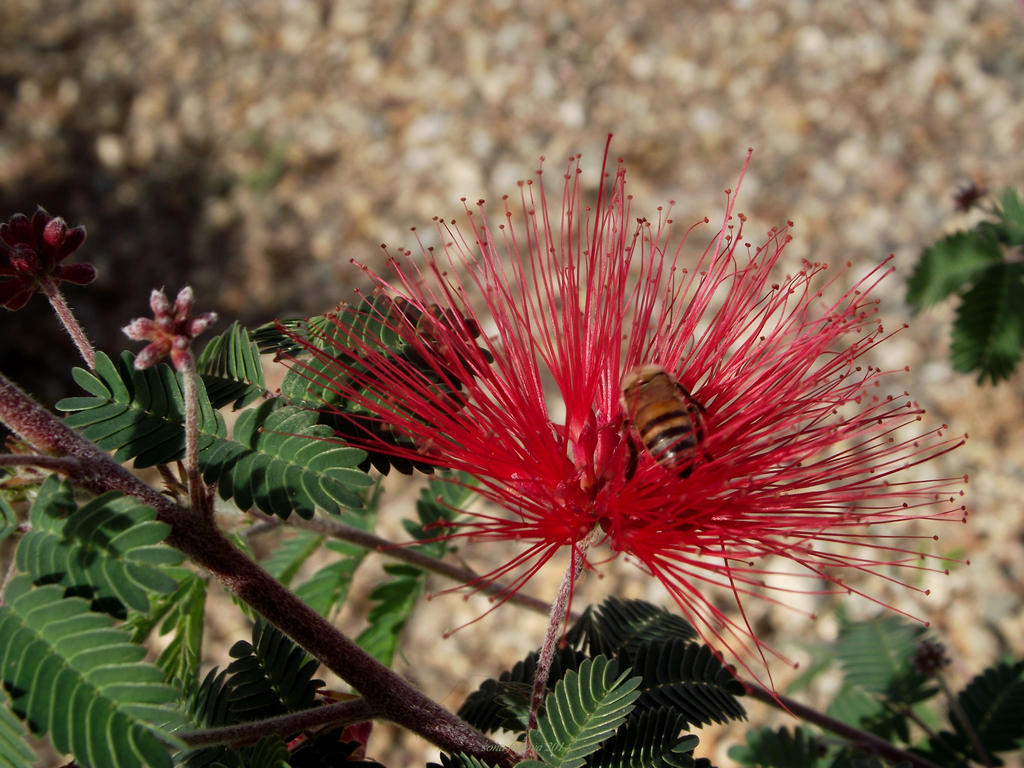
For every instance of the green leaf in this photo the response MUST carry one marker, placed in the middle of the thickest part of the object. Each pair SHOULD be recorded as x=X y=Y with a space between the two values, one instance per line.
x=876 y=656
x=138 y=414
x=459 y=760
x=108 y=550
x=689 y=678
x=291 y=552
x=584 y=709
x=181 y=658
x=766 y=748
x=270 y=676
x=230 y=368
x=504 y=703
x=281 y=461
x=58 y=658
x=395 y=599
x=1011 y=217
x=624 y=625
x=648 y=740
x=949 y=266
x=8 y=518
x=325 y=591
x=14 y=751
x=268 y=752
x=989 y=329
x=992 y=704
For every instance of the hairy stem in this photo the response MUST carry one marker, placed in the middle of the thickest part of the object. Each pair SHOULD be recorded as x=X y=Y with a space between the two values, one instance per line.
x=398 y=551
x=206 y=545
x=198 y=496
x=60 y=464
x=70 y=322
x=559 y=610
x=340 y=713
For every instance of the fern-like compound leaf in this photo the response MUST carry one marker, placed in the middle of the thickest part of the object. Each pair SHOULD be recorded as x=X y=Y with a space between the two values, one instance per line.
x=992 y=704
x=1011 y=217
x=586 y=707
x=76 y=678
x=395 y=599
x=623 y=625
x=950 y=266
x=185 y=619
x=781 y=748
x=988 y=333
x=460 y=760
x=651 y=739
x=291 y=553
x=271 y=675
x=501 y=703
x=876 y=657
x=688 y=678
x=8 y=518
x=109 y=550
x=281 y=461
x=230 y=368
x=325 y=591
x=14 y=752
x=138 y=414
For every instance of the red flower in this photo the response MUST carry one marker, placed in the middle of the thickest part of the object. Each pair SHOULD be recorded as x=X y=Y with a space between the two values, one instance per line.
x=171 y=330
x=30 y=254
x=787 y=445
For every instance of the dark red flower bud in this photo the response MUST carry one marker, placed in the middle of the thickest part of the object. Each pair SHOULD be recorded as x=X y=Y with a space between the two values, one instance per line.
x=30 y=254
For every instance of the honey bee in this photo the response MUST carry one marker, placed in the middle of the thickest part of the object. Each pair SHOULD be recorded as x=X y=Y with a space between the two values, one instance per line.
x=666 y=417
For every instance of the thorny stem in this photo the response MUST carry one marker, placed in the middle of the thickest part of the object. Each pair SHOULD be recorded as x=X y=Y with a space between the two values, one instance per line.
x=337 y=714
x=868 y=741
x=198 y=497
x=556 y=619
x=70 y=322
x=203 y=542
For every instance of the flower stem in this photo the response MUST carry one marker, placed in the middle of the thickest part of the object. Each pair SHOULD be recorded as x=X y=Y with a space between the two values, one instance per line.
x=70 y=322
x=559 y=610
x=198 y=497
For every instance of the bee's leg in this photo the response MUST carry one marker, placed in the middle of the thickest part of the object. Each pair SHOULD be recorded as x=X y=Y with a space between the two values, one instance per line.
x=696 y=411
x=690 y=399
x=633 y=457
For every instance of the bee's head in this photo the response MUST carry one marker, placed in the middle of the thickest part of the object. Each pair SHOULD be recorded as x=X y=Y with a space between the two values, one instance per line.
x=641 y=376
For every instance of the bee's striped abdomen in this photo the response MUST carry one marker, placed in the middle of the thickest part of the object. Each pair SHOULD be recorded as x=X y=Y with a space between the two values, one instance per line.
x=668 y=421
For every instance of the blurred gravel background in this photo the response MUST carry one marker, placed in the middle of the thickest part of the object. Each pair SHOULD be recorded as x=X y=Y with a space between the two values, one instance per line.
x=252 y=148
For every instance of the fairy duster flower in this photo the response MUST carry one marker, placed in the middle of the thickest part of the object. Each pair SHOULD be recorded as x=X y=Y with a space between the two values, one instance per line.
x=767 y=437
x=31 y=252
